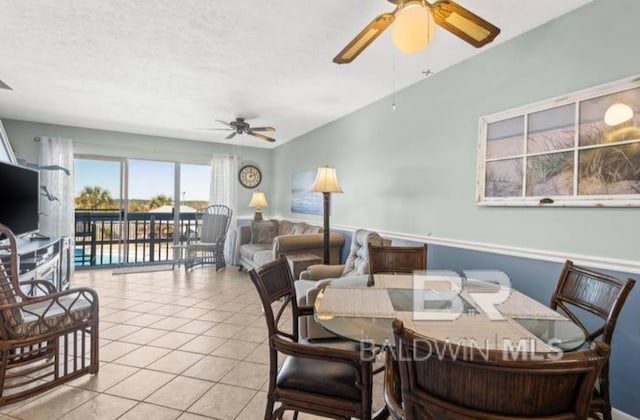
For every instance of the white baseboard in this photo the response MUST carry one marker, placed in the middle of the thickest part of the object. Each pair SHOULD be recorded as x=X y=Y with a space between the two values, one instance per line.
x=620 y=415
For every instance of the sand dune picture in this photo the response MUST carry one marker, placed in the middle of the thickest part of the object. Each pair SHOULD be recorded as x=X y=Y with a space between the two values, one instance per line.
x=598 y=156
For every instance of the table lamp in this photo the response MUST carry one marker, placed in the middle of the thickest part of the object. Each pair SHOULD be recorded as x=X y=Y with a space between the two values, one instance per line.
x=326 y=182
x=258 y=201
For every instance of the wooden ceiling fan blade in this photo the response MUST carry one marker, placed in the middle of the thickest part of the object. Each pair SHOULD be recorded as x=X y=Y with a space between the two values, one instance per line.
x=224 y=122
x=260 y=136
x=263 y=129
x=364 y=38
x=463 y=23
x=230 y=136
x=213 y=129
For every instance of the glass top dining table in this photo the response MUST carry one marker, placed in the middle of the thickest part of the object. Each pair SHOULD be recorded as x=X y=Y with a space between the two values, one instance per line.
x=463 y=311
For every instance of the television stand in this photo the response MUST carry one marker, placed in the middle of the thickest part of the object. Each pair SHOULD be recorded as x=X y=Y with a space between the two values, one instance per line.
x=45 y=259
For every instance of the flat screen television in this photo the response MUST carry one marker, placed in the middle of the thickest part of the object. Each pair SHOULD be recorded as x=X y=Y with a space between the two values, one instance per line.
x=19 y=198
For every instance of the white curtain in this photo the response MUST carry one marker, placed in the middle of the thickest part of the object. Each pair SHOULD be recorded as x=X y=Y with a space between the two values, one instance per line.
x=224 y=190
x=55 y=160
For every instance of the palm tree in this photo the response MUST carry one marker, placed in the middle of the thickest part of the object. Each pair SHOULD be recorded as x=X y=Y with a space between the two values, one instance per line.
x=94 y=198
x=159 y=201
x=138 y=206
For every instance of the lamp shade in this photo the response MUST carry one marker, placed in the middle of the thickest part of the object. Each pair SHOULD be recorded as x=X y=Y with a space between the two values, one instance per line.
x=618 y=113
x=258 y=200
x=413 y=27
x=326 y=181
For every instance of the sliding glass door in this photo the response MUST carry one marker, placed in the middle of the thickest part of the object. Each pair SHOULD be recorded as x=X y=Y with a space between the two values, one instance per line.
x=100 y=231
x=150 y=210
x=194 y=196
x=127 y=210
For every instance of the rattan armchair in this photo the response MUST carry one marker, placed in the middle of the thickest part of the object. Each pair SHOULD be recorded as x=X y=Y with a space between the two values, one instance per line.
x=46 y=337
x=212 y=225
x=441 y=381
x=324 y=380
x=601 y=295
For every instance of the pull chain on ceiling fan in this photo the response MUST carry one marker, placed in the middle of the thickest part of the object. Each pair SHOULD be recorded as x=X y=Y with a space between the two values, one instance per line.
x=240 y=126
x=414 y=25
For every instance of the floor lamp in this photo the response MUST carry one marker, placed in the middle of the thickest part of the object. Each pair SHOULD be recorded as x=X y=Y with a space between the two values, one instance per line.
x=258 y=201
x=326 y=183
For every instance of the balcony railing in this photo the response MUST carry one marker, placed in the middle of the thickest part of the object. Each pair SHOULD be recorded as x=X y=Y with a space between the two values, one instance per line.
x=100 y=237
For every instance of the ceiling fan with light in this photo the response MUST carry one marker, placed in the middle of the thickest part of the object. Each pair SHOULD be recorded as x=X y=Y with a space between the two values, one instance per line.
x=414 y=24
x=240 y=126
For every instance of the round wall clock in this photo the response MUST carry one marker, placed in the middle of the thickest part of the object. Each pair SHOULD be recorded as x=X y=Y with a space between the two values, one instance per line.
x=250 y=176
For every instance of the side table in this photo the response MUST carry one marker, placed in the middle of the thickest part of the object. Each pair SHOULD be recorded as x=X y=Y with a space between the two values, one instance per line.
x=299 y=262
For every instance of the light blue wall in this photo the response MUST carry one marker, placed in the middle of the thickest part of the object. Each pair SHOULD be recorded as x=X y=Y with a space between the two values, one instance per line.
x=413 y=170
x=136 y=146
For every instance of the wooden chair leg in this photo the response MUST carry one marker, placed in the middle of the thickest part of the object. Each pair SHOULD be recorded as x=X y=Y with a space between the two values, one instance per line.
x=268 y=412
x=277 y=414
x=4 y=360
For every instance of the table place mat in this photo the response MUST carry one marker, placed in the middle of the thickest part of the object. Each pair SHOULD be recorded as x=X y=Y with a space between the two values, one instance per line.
x=476 y=286
x=479 y=332
x=393 y=281
x=438 y=282
x=519 y=305
x=439 y=285
x=360 y=302
x=406 y=281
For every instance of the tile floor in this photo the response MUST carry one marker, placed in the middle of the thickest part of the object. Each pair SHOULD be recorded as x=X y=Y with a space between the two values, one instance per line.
x=172 y=346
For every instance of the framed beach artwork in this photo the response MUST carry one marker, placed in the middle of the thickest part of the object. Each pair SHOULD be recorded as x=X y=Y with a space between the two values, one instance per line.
x=6 y=152
x=579 y=150
x=302 y=199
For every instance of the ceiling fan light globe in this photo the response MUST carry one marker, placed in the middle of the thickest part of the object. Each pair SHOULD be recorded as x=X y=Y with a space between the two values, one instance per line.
x=412 y=28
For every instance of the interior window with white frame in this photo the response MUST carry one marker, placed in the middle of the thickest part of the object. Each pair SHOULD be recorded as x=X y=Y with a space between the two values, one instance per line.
x=582 y=149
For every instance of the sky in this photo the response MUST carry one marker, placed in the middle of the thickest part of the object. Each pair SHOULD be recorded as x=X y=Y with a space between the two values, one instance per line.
x=146 y=178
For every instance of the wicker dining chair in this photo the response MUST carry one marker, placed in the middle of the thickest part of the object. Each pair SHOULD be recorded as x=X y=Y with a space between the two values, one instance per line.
x=601 y=295
x=442 y=381
x=397 y=259
x=212 y=225
x=46 y=337
x=326 y=381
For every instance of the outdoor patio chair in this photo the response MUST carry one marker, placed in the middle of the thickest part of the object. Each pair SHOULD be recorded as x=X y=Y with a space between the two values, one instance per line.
x=85 y=242
x=46 y=337
x=212 y=225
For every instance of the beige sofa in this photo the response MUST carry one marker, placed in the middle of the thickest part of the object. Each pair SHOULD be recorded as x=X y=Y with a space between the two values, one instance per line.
x=257 y=244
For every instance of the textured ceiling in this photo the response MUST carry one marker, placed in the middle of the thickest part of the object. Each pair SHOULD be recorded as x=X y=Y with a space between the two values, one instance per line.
x=166 y=67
